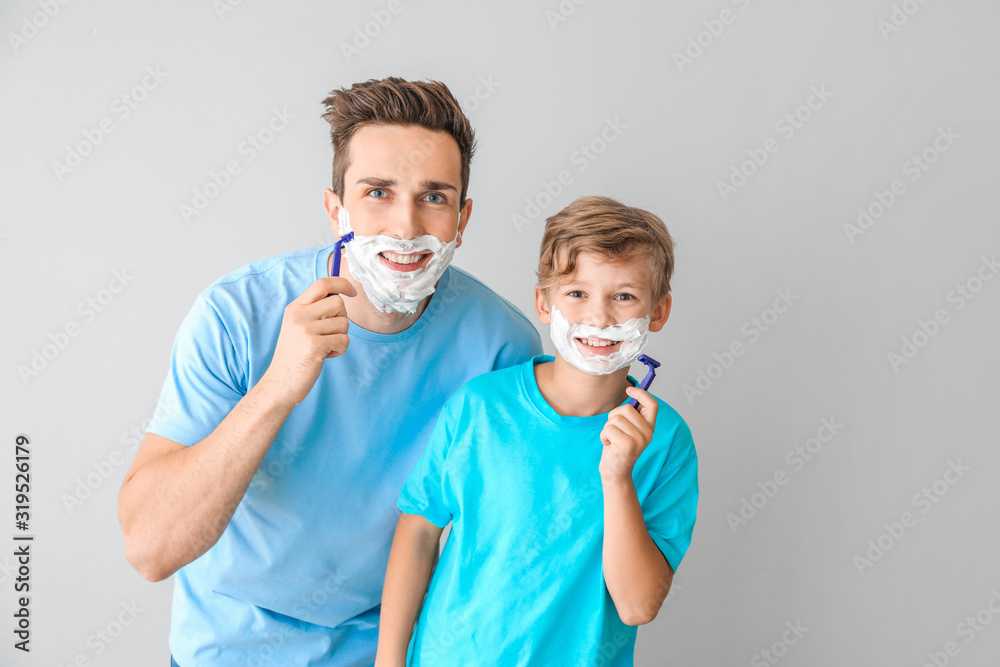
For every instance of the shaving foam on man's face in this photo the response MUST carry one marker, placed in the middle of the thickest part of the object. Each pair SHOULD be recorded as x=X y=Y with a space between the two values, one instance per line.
x=599 y=350
x=397 y=274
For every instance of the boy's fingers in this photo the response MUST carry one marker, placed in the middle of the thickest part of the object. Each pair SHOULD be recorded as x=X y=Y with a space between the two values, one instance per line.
x=647 y=404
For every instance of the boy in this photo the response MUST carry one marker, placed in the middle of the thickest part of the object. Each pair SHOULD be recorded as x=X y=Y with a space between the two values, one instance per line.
x=570 y=509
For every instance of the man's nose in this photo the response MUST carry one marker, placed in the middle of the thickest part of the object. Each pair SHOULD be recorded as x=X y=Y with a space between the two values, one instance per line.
x=404 y=223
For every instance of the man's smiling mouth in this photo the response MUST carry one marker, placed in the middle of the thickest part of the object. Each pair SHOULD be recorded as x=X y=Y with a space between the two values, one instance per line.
x=410 y=261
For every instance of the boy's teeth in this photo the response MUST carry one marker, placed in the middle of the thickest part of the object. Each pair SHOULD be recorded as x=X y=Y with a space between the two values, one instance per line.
x=411 y=258
x=597 y=342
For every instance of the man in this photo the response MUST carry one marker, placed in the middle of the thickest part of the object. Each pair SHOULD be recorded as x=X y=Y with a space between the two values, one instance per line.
x=270 y=490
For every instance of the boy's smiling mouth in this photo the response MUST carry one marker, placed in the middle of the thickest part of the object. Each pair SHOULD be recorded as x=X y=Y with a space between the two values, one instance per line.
x=597 y=346
x=410 y=261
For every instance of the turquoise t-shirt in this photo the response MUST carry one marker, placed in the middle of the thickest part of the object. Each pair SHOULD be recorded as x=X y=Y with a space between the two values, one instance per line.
x=520 y=579
x=296 y=578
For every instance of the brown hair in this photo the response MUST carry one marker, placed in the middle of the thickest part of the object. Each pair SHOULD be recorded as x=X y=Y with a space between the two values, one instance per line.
x=395 y=101
x=609 y=228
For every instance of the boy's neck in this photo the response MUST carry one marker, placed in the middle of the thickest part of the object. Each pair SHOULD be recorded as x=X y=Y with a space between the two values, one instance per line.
x=573 y=393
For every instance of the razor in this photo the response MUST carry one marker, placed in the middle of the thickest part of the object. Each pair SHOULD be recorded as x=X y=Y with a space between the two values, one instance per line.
x=653 y=364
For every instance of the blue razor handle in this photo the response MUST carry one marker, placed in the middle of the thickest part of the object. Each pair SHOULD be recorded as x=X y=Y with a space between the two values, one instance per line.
x=335 y=269
x=648 y=380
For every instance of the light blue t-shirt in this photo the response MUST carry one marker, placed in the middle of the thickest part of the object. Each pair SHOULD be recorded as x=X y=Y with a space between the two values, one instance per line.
x=520 y=579
x=296 y=578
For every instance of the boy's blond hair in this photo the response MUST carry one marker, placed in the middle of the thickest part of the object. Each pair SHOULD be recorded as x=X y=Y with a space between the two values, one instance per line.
x=610 y=229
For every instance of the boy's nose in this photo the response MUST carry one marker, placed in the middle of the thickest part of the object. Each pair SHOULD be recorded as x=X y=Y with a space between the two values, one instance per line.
x=599 y=317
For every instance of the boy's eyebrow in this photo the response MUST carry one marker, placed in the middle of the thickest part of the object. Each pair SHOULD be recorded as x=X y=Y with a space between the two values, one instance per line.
x=584 y=283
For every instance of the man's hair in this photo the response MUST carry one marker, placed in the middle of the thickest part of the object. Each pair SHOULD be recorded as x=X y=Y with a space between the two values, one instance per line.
x=395 y=101
x=608 y=228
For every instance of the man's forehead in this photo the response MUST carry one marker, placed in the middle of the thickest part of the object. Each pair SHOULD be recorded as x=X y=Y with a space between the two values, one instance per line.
x=404 y=154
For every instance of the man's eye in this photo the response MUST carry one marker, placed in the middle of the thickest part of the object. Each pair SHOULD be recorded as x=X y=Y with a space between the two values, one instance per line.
x=378 y=193
x=436 y=198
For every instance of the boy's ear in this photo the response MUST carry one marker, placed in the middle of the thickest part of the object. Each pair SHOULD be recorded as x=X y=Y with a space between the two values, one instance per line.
x=542 y=307
x=660 y=313
x=332 y=204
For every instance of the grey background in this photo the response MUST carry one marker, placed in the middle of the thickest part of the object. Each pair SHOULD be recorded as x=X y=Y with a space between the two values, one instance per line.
x=554 y=86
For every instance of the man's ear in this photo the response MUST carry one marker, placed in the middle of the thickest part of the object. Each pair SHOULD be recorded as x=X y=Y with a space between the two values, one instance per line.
x=464 y=213
x=332 y=204
x=542 y=307
x=660 y=313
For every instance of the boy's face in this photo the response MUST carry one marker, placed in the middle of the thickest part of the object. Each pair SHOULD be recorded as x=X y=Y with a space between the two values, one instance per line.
x=602 y=294
x=402 y=182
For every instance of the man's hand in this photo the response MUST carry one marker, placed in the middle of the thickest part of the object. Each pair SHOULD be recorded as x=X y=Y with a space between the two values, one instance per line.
x=313 y=329
x=626 y=435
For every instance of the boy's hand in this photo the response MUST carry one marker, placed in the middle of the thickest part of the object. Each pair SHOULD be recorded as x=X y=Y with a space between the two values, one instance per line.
x=626 y=435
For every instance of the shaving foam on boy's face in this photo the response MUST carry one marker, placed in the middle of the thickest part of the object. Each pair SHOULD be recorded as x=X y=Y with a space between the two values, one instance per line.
x=390 y=289
x=580 y=344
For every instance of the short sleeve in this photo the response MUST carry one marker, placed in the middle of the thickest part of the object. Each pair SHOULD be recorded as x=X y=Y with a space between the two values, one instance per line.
x=671 y=506
x=522 y=344
x=205 y=380
x=424 y=492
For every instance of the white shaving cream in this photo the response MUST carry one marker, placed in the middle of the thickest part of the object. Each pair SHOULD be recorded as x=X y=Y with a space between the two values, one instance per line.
x=633 y=335
x=390 y=290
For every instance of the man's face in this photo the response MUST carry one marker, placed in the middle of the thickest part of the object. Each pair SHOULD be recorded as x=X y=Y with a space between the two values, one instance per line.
x=402 y=182
x=602 y=294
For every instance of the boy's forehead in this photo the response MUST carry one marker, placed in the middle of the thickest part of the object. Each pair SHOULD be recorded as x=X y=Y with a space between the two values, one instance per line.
x=593 y=268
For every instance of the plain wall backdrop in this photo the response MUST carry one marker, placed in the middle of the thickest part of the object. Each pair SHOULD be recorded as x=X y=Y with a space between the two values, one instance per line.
x=828 y=170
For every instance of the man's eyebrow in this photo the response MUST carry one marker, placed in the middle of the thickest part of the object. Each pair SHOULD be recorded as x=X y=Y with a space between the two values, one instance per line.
x=376 y=182
x=437 y=185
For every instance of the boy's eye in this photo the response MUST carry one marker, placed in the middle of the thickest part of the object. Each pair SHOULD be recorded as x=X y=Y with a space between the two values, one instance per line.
x=625 y=297
x=574 y=293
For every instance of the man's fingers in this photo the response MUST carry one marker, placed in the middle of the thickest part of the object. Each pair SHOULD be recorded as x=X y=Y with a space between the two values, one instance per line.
x=330 y=306
x=328 y=326
x=324 y=287
x=337 y=344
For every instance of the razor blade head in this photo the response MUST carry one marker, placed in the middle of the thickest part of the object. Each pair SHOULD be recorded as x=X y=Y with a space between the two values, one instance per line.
x=649 y=361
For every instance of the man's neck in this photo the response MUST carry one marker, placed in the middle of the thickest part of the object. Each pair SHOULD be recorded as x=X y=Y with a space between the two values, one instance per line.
x=573 y=393
x=361 y=311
